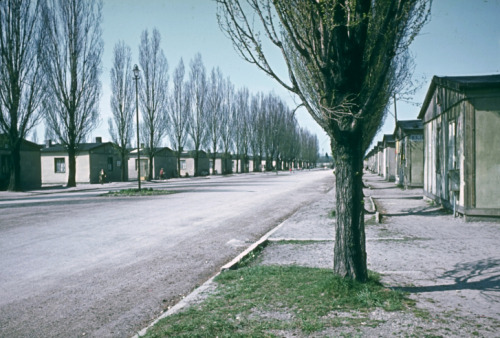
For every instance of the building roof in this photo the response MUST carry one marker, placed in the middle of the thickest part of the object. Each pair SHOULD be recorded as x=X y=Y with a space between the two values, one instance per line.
x=81 y=147
x=25 y=144
x=459 y=83
x=409 y=125
x=157 y=150
x=388 y=138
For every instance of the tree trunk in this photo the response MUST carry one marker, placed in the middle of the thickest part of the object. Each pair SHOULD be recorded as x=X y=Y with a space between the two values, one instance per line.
x=178 y=174
x=15 y=168
x=124 y=174
x=196 y=158
x=150 y=169
x=349 y=251
x=71 y=167
x=214 y=158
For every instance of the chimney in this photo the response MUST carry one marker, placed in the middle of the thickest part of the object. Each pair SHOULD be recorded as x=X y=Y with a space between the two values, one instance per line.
x=98 y=139
x=48 y=143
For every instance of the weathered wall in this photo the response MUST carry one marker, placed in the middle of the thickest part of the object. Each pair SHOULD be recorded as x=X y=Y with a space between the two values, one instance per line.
x=487 y=153
x=415 y=166
x=390 y=163
x=31 y=170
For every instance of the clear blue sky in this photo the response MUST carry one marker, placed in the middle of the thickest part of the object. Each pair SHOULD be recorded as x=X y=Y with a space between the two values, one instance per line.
x=462 y=38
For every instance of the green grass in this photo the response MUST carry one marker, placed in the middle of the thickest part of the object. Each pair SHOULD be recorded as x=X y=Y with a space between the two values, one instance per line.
x=266 y=300
x=137 y=192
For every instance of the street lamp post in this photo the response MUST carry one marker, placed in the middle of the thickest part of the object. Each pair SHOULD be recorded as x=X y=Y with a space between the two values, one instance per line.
x=136 y=78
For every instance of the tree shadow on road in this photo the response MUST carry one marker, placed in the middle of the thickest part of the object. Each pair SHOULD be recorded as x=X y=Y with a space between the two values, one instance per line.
x=482 y=275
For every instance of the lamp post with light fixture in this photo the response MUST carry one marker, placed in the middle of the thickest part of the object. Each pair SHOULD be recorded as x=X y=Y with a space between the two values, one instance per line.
x=136 y=78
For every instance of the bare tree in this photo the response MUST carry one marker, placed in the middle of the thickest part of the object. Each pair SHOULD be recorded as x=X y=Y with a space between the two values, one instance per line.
x=178 y=114
x=72 y=63
x=21 y=81
x=198 y=130
x=121 y=125
x=226 y=124
x=256 y=129
x=153 y=93
x=341 y=61
x=214 y=110
x=240 y=125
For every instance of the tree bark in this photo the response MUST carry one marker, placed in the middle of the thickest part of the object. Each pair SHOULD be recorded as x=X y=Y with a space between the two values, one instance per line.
x=71 y=167
x=124 y=174
x=178 y=174
x=15 y=167
x=196 y=161
x=350 y=250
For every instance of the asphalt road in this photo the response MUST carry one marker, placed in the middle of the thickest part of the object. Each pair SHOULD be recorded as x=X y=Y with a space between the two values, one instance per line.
x=77 y=264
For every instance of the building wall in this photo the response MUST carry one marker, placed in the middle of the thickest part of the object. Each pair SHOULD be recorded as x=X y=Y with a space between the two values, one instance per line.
x=31 y=170
x=166 y=161
x=487 y=151
x=132 y=167
x=49 y=176
x=390 y=163
x=380 y=161
x=415 y=167
x=104 y=158
x=218 y=165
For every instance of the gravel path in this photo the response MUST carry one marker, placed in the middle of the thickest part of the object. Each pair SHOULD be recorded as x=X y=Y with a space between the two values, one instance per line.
x=450 y=267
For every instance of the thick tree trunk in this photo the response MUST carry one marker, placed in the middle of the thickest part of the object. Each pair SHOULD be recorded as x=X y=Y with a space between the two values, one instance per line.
x=350 y=250
x=71 y=167
x=15 y=168
x=124 y=174
x=196 y=158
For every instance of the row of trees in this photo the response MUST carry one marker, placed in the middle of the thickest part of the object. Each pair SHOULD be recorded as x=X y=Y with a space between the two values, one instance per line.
x=50 y=67
x=201 y=110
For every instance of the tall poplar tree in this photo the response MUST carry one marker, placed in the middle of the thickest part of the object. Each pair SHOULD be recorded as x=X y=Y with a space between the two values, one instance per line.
x=121 y=125
x=72 y=53
x=343 y=58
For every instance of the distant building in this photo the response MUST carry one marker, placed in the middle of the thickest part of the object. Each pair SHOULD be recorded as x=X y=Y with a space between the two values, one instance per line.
x=409 y=137
x=31 y=171
x=380 y=158
x=389 y=157
x=222 y=165
x=164 y=158
x=461 y=118
x=90 y=159
x=187 y=163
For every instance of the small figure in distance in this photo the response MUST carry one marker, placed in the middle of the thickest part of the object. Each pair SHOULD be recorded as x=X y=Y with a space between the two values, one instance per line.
x=102 y=176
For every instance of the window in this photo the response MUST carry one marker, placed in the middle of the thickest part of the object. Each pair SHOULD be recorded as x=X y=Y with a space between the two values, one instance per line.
x=59 y=165
x=183 y=164
x=110 y=164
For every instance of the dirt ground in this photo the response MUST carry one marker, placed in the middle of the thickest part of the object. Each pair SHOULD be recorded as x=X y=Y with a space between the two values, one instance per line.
x=450 y=267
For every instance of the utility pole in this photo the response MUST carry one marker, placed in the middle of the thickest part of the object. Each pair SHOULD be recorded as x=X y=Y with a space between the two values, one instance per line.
x=395 y=109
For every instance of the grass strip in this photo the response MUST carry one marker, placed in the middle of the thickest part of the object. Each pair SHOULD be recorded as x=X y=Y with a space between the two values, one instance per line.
x=137 y=192
x=270 y=300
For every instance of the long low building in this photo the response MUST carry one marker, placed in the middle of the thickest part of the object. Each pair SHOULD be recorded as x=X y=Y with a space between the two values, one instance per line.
x=461 y=118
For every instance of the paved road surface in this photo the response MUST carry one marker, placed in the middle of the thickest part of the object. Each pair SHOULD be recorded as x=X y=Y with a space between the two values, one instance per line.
x=75 y=264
